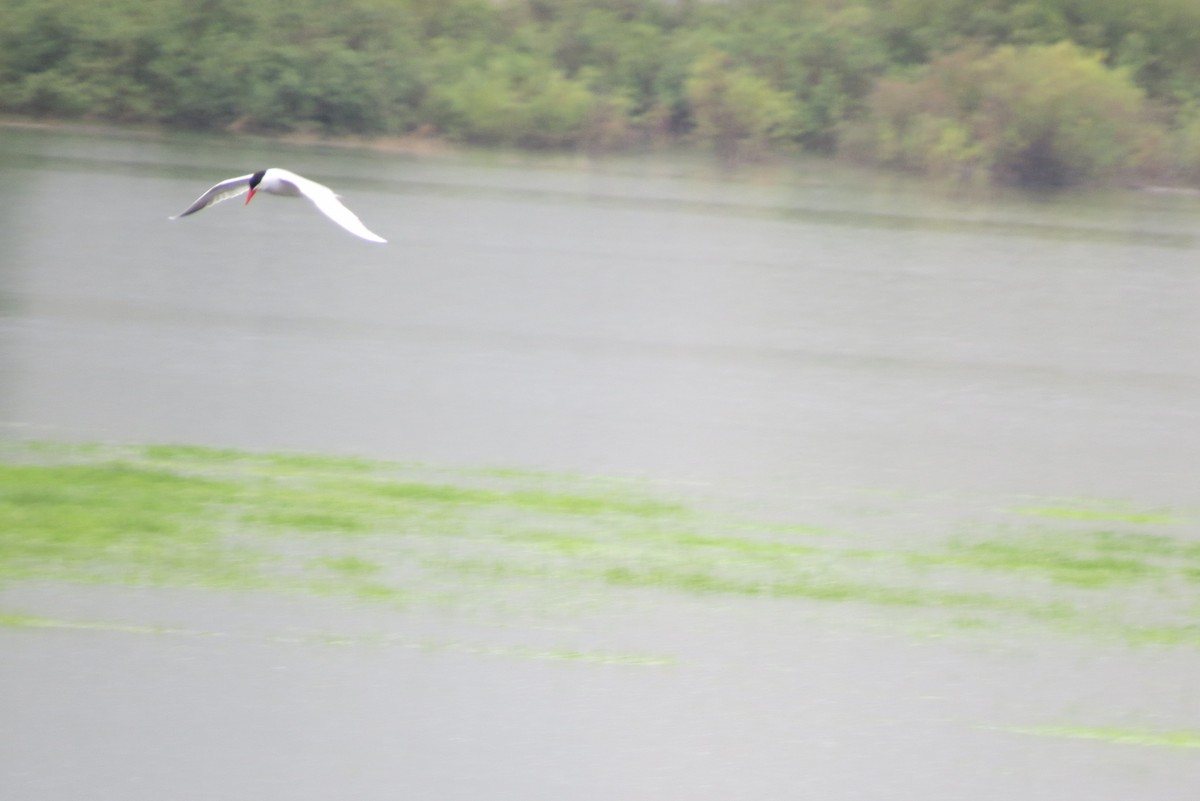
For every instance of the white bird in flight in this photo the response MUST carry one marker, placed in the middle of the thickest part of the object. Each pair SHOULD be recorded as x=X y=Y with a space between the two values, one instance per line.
x=283 y=182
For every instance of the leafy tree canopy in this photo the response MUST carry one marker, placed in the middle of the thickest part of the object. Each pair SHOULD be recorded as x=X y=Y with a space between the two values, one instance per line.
x=1032 y=91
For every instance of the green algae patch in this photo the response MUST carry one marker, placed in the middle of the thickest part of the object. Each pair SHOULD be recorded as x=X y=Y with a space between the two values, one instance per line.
x=1098 y=512
x=350 y=565
x=19 y=620
x=188 y=516
x=408 y=535
x=1117 y=736
x=114 y=520
x=1073 y=564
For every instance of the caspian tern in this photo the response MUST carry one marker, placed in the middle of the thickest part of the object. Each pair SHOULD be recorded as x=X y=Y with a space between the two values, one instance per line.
x=283 y=182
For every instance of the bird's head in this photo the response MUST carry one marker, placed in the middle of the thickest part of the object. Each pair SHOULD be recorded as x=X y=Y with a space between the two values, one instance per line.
x=255 y=180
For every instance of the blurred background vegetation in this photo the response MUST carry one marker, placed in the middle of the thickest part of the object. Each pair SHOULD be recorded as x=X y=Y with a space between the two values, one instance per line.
x=1031 y=92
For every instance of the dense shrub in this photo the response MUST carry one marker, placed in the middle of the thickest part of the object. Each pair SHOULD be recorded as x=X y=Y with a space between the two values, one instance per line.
x=1049 y=91
x=1044 y=115
x=1187 y=145
x=511 y=98
x=735 y=111
x=826 y=61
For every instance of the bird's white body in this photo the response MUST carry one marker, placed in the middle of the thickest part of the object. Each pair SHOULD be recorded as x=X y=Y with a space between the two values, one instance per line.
x=276 y=181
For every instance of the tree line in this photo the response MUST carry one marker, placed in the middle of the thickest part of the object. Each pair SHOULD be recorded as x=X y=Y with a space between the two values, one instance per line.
x=1049 y=92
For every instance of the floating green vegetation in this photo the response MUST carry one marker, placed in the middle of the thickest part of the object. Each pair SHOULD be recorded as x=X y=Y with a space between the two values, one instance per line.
x=78 y=521
x=350 y=565
x=1160 y=739
x=18 y=620
x=1066 y=563
x=410 y=534
x=1098 y=513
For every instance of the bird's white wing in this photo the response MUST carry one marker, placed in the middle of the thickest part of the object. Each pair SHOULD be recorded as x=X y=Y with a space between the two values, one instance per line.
x=327 y=201
x=231 y=187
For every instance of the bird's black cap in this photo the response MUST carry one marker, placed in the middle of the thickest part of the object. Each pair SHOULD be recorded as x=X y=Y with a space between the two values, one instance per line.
x=256 y=179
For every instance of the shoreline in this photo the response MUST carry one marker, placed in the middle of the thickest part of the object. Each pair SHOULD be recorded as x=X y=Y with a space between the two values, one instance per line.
x=411 y=144
x=425 y=144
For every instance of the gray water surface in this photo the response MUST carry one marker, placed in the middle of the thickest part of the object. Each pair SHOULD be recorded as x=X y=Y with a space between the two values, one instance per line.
x=623 y=317
x=769 y=336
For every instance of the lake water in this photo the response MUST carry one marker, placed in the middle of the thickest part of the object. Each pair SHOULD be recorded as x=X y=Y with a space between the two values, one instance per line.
x=773 y=336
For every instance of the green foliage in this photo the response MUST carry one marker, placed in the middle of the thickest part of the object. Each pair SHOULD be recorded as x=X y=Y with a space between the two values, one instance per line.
x=744 y=77
x=826 y=60
x=1187 y=143
x=1044 y=115
x=736 y=111
x=512 y=98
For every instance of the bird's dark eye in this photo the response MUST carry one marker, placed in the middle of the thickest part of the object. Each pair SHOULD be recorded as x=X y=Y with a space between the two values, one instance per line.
x=256 y=179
